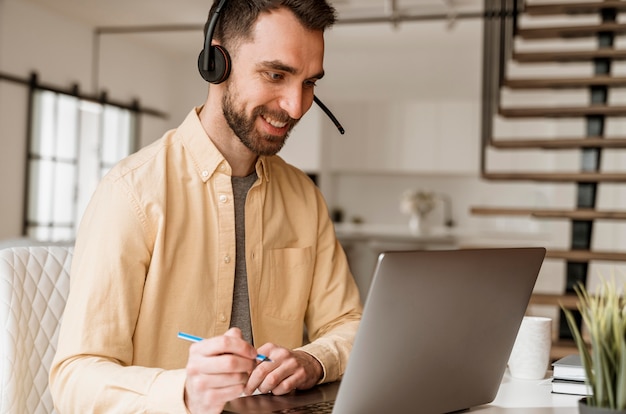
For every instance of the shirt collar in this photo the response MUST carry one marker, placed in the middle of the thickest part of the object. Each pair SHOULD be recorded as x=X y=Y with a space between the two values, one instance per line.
x=262 y=167
x=206 y=157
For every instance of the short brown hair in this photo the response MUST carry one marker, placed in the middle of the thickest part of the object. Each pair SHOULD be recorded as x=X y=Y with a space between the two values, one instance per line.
x=237 y=17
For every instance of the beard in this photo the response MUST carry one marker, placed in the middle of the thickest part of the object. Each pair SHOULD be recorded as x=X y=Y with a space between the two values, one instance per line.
x=243 y=126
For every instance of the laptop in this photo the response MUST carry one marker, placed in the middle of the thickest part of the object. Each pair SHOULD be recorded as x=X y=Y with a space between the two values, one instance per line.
x=435 y=337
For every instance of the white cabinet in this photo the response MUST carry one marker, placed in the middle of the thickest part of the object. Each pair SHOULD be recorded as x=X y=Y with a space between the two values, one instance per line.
x=406 y=136
x=303 y=147
x=364 y=243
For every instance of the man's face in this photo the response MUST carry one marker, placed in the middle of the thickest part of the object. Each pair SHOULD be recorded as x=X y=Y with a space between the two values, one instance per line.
x=272 y=82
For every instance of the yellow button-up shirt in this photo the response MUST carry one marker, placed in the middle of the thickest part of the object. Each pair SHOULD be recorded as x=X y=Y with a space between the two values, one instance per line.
x=155 y=255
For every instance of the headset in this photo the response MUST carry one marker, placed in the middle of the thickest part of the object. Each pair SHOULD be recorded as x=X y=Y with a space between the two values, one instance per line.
x=214 y=63
x=214 y=60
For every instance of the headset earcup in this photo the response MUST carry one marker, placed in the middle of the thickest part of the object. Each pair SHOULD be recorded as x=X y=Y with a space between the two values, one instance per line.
x=221 y=65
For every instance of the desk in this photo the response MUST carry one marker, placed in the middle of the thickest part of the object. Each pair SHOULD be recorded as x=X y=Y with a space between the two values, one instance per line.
x=517 y=396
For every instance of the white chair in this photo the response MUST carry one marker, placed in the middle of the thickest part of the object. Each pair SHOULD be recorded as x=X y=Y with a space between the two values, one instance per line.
x=34 y=284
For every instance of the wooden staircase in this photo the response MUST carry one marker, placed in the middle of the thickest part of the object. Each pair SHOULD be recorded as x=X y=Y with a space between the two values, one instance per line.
x=591 y=142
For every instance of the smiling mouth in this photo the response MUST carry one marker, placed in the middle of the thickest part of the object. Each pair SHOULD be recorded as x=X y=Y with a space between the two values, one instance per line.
x=274 y=122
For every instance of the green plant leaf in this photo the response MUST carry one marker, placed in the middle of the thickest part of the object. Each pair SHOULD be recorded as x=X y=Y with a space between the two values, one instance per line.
x=583 y=351
x=621 y=374
x=604 y=358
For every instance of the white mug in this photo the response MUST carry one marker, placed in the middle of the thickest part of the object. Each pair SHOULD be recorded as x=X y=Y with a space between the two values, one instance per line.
x=531 y=352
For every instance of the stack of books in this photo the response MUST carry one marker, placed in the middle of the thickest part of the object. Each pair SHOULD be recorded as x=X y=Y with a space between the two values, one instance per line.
x=568 y=376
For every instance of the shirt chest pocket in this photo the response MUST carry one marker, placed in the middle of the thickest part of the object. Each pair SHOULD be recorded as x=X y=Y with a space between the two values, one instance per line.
x=290 y=278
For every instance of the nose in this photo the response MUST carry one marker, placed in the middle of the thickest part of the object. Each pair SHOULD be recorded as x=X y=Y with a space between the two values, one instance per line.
x=295 y=102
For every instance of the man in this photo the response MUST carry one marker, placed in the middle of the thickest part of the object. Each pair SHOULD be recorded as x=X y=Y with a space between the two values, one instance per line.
x=208 y=232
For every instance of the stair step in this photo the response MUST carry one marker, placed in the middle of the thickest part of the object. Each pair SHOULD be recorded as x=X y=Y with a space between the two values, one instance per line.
x=582 y=82
x=569 y=56
x=578 y=214
x=545 y=9
x=563 y=112
x=573 y=177
x=558 y=143
x=583 y=256
x=530 y=33
x=567 y=301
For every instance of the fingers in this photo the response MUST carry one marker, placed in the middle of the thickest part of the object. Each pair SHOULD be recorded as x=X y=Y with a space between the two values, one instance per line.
x=199 y=363
x=217 y=371
x=234 y=332
x=231 y=342
x=228 y=353
x=211 y=386
x=287 y=372
x=209 y=394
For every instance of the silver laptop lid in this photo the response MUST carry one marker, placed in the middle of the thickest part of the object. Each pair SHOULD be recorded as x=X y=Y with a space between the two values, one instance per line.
x=437 y=330
x=436 y=334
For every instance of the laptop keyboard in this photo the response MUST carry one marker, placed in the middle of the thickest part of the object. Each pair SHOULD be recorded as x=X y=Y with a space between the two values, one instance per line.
x=322 y=407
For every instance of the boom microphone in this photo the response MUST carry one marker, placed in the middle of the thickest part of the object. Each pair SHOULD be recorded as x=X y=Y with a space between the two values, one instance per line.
x=330 y=115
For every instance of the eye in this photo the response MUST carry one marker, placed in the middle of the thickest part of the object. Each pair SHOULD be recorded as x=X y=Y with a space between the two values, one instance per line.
x=310 y=83
x=274 y=76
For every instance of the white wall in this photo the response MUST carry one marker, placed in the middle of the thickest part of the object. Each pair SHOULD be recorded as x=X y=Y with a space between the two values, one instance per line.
x=413 y=96
x=421 y=65
x=33 y=38
x=425 y=65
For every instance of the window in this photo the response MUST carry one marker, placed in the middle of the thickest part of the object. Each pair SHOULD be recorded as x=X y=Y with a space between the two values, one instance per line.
x=73 y=143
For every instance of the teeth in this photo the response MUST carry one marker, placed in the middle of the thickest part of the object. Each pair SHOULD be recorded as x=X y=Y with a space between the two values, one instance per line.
x=275 y=123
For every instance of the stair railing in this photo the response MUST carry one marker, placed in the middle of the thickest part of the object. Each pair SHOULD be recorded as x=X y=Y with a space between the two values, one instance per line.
x=499 y=26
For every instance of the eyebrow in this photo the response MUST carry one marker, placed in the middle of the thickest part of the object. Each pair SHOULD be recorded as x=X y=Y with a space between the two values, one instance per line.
x=278 y=65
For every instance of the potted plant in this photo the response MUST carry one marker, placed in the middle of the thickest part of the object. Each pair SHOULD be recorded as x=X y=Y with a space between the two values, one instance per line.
x=417 y=204
x=603 y=348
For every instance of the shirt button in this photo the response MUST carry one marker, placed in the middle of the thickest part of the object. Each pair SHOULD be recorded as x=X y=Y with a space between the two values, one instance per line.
x=223 y=198
x=222 y=167
x=205 y=174
x=226 y=259
x=222 y=317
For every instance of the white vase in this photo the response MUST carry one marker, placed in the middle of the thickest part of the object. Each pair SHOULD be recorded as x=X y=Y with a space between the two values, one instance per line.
x=416 y=223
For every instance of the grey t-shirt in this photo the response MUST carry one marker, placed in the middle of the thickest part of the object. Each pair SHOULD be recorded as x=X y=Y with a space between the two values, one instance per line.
x=240 y=316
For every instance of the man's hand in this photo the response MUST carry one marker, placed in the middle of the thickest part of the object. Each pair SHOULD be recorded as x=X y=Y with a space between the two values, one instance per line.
x=289 y=370
x=217 y=371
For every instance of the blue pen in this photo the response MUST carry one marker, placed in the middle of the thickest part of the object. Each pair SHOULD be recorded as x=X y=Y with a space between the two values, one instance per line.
x=192 y=338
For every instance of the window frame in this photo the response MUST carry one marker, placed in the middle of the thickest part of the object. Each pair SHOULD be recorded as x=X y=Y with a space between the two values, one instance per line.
x=42 y=223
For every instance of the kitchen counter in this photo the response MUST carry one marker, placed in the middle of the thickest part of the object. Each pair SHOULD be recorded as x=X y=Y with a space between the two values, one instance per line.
x=350 y=232
x=364 y=242
x=452 y=237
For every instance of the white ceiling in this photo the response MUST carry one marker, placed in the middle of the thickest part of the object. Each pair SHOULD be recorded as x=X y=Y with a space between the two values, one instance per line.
x=193 y=13
x=150 y=12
